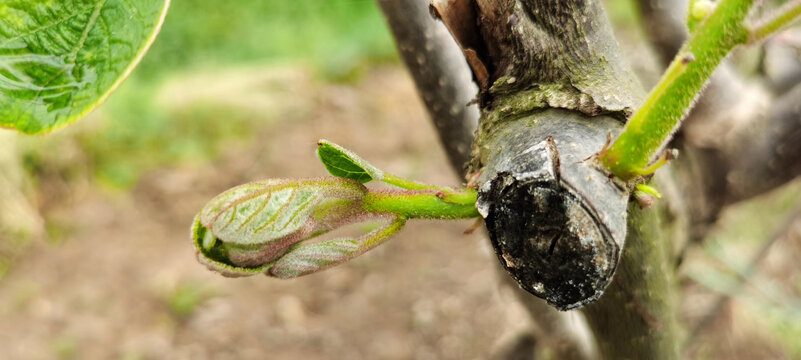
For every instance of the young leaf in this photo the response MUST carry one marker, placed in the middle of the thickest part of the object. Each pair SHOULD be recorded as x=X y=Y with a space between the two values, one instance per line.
x=254 y=224
x=308 y=258
x=344 y=163
x=60 y=59
x=268 y=227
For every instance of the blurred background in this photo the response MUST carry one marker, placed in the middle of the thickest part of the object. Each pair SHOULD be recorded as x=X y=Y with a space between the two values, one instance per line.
x=96 y=260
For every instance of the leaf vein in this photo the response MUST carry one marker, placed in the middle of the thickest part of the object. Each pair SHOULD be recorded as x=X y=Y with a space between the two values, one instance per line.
x=44 y=27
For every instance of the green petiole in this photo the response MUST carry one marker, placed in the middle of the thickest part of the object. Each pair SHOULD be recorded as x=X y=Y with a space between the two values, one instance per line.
x=423 y=204
x=270 y=226
x=415 y=200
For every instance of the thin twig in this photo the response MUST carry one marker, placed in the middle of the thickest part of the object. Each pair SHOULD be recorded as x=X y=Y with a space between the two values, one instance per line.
x=774 y=22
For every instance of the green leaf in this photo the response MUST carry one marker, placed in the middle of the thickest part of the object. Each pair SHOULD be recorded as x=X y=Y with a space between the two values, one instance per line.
x=344 y=163
x=307 y=258
x=61 y=58
x=261 y=212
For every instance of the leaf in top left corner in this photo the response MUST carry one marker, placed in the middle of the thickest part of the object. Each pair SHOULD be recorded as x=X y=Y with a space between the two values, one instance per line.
x=59 y=59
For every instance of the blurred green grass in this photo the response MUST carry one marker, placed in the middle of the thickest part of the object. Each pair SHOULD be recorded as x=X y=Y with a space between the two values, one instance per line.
x=334 y=40
x=331 y=35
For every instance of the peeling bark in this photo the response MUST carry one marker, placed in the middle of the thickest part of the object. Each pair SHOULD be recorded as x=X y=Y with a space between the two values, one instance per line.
x=558 y=50
x=556 y=220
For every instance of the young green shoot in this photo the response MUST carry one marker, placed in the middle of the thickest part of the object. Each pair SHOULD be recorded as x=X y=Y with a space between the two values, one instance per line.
x=270 y=226
x=717 y=30
x=646 y=195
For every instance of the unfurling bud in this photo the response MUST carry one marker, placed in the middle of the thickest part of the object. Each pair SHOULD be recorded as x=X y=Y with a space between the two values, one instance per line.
x=266 y=227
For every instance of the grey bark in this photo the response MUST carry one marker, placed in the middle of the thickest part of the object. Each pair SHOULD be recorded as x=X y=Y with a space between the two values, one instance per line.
x=665 y=22
x=554 y=68
x=773 y=154
x=557 y=54
x=637 y=314
x=538 y=61
x=780 y=64
x=529 y=56
x=439 y=72
x=556 y=222
x=442 y=78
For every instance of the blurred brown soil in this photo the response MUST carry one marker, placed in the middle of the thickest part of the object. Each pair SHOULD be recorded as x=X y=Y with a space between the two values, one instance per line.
x=123 y=282
x=117 y=278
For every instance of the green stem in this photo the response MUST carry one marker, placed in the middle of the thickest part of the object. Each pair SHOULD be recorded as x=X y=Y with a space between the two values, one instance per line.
x=423 y=204
x=775 y=21
x=407 y=184
x=651 y=127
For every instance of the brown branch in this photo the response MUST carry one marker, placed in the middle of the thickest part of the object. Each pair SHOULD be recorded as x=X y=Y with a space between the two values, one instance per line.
x=665 y=22
x=771 y=155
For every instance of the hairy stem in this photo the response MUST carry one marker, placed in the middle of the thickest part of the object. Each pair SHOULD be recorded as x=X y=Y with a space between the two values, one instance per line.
x=651 y=127
x=422 y=204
